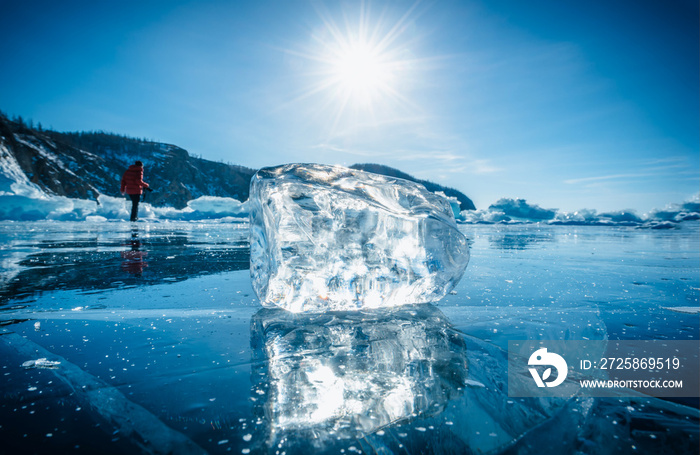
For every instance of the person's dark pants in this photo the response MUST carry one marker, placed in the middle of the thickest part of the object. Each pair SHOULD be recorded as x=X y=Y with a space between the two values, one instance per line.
x=135 y=198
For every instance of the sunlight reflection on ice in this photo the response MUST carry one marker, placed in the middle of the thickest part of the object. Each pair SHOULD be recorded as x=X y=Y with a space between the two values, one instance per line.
x=343 y=375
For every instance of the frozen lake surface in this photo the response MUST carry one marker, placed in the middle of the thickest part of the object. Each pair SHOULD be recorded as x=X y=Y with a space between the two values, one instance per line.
x=154 y=342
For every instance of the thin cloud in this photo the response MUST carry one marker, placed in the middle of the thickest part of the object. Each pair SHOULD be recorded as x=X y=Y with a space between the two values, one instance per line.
x=672 y=166
x=439 y=161
x=601 y=178
x=672 y=160
x=483 y=167
x=432 y=155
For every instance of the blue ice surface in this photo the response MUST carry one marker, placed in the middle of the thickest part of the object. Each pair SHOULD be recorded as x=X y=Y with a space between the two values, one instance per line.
x=164 y=348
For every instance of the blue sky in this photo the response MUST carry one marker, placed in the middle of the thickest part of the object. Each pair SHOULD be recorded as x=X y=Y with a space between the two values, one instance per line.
x=567 y=104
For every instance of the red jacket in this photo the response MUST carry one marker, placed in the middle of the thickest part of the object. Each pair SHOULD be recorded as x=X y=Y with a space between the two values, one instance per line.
x=132 y=180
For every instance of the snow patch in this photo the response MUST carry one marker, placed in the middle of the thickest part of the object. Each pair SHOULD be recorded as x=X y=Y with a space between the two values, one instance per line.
x=10 y=171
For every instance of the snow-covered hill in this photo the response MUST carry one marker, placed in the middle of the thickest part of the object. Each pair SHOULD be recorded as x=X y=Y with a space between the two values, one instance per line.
x=87 y=165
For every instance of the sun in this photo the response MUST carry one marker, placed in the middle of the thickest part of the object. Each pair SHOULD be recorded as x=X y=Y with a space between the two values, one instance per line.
x=361 y=73
x=358 y=66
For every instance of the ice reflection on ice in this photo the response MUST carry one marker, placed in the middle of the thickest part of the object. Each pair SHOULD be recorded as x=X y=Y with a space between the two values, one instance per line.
x=519 y=240
x=322 y=377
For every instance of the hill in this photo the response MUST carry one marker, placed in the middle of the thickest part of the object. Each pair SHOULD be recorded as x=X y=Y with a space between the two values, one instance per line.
x=84 y=165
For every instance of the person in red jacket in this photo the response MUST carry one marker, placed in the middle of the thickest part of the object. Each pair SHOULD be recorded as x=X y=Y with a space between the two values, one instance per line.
x=133 y=185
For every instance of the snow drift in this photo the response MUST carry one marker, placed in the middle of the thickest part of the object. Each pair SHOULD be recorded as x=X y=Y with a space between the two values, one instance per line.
x=23 y=207
x=25 y=202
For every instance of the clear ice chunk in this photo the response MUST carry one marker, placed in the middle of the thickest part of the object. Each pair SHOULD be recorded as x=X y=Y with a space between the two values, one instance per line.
x=332 y=238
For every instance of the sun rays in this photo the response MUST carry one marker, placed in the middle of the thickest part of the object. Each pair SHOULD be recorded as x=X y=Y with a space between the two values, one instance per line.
x=359 y=67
